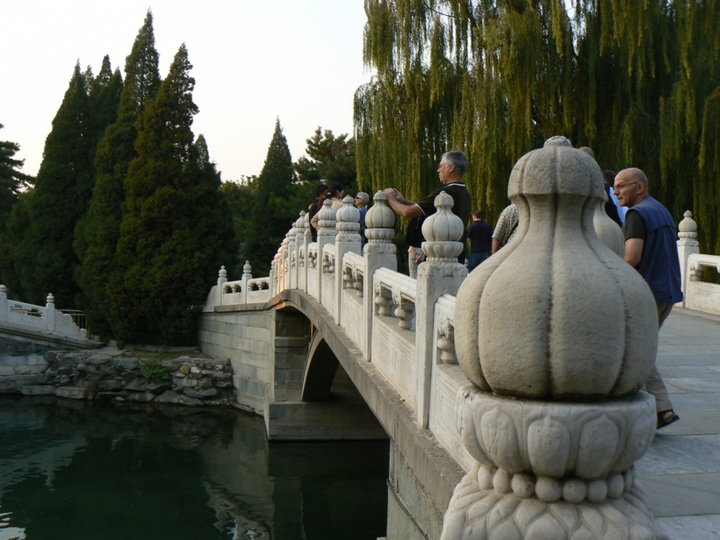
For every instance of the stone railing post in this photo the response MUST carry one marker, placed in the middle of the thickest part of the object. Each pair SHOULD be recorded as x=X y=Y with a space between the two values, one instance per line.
x=220 y=288
x=49 y=313
x=301 y=251
x=306 y=241
x=246 y=277
x=326 y=235
x=285 y=262
x=292 y=255
x=686 y=245
x=347 y=240
x=379 y=252
x=3 y=304
x=273 y=276
x=441 y=273
x=556 y=338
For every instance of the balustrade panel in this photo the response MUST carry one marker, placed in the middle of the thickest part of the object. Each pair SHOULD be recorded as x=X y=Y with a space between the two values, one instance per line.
x=328 y=279
x=351 y=304
x=313 y=287
x=702 y=295
x=446 y=380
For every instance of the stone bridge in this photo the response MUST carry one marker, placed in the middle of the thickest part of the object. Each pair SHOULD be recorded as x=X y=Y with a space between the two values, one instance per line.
x=43 y=324
x=336 y=344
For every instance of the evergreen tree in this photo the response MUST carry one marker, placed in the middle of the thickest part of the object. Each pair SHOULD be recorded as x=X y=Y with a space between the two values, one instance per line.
x=239 y=198
x=11 y=179
x=634 y=80
x=330 y=158
x=14 y=247
x=175 y=229
x=43 y=260
x=274 y=208
x=104 y=99
x=97 y=233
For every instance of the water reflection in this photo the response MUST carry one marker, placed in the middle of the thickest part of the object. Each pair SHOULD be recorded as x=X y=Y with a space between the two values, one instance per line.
x=80 y=470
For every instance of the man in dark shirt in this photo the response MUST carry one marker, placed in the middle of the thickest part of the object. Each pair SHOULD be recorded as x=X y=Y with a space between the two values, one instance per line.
x=480 y=235
x=651 y=248
x=451 y=170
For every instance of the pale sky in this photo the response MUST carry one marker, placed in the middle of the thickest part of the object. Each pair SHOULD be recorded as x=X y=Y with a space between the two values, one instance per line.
x=253 y=61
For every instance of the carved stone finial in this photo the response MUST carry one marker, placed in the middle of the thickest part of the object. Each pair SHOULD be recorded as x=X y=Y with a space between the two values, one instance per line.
x=557 y=335
x=379 y=223
x=608 y=231
x=348 y=221
x=557 y=140
x=551 y=347
x=222 y=274
x=300 y=223
x=50 y=299
x=3 y=289
x=688 y=226
x=326 y=219
x=247 y=269
x=442 y=231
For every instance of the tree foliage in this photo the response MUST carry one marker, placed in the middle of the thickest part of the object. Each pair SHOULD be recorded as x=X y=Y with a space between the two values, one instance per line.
x=274 y=207
x=636 y=81
x=12 y=181
x=329 y=158
x=174 y=228
x=97 y=233
x=42 y=258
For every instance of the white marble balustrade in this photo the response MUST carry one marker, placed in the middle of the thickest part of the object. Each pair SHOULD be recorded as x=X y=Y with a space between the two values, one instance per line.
x=377 y=306
x=45 y=320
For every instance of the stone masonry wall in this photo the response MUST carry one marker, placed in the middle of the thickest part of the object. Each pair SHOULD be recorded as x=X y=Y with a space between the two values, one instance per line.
x=245 y=340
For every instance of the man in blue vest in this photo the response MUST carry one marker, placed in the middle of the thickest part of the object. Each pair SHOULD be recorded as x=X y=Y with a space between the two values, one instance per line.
x=650 y=246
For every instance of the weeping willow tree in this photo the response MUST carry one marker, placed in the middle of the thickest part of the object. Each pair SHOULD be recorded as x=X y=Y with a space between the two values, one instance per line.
x=638 y=81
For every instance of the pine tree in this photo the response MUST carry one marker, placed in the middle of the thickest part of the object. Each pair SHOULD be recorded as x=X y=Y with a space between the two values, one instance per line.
x=633 y=80
x=11 y=179
x=329 y=158
x=274 y=207
x=43 y=260
x=174 y=229
x=97 y=233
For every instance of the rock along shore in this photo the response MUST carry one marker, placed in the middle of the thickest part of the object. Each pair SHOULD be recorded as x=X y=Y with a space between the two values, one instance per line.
x=184 y=377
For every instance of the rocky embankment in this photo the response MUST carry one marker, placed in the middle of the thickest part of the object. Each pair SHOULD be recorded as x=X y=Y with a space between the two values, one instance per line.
x=182 y=377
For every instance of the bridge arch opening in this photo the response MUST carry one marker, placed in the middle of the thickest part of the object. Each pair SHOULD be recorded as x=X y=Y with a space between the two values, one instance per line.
x=314 y=398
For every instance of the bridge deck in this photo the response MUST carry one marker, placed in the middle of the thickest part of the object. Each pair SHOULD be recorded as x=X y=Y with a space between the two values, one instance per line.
x=680 y=474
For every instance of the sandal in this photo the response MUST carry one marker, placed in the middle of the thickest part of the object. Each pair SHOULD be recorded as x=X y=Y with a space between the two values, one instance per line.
x=665 y=418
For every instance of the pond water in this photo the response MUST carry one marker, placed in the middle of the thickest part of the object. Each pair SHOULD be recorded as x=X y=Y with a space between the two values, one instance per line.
x=82 y=470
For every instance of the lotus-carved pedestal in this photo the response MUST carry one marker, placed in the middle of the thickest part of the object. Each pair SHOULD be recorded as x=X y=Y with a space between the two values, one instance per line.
x=557 y=334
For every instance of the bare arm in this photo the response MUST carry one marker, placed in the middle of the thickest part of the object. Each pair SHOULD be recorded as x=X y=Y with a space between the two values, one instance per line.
x=633 y=250
x=401 y=205
x=495 y=245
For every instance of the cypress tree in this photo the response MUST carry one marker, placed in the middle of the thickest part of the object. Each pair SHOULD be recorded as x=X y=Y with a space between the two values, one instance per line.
x=98 y=231
x=14 y=247
x=273 y=209
x=633 y=80
x=173 y=229
x=44 y=260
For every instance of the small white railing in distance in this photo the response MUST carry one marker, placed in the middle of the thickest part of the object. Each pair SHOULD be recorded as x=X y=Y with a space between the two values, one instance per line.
x=46 y=321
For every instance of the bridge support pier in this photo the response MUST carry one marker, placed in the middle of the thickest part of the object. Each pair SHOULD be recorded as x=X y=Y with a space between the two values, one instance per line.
x=314 y=421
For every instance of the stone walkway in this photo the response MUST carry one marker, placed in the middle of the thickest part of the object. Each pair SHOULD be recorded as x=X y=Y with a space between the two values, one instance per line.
x=680 y=473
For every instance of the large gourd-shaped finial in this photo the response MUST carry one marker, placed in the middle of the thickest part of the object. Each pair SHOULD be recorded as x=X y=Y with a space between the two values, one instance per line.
x=556 y=314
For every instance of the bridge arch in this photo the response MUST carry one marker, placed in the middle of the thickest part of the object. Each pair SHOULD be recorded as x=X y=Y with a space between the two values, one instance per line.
x=320 y=370
x=314 y=397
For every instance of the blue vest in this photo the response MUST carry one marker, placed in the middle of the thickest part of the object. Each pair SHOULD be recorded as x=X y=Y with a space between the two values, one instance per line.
x=659 y=265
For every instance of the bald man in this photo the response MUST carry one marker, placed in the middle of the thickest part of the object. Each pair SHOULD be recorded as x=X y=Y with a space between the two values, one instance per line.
x=650 y=247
